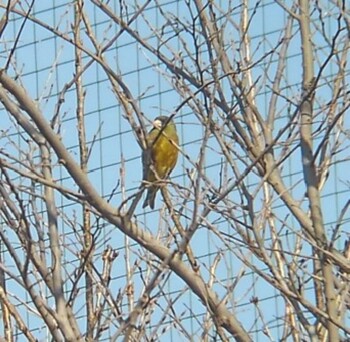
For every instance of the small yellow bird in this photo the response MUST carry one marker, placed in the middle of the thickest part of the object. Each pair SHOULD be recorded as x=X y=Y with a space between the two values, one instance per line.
x=160 y=156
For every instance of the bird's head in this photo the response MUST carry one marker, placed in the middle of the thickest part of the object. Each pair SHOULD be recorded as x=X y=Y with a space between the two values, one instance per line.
x=160 y=121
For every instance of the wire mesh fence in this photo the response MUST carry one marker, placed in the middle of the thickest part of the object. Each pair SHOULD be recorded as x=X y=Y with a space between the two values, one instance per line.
x=248 y=239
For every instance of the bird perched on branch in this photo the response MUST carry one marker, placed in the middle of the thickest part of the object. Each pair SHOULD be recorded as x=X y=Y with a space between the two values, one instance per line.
x=160 y=156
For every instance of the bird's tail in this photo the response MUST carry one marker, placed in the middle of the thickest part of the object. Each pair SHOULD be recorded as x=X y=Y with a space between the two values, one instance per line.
x=151 y=197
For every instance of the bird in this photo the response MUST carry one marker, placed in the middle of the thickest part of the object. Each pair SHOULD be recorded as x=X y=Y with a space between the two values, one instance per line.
x=160 y=155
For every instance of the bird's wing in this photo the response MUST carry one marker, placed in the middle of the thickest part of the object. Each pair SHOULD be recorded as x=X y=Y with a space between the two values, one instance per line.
x=147 y=157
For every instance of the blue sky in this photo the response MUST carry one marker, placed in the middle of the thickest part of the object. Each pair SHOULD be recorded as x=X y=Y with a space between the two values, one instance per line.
x=46 y=63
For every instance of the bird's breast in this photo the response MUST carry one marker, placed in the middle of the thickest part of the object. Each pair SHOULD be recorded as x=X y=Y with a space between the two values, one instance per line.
x=164 y=156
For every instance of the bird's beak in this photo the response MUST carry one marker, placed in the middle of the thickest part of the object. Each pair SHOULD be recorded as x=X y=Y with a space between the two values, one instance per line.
x=157 y=124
